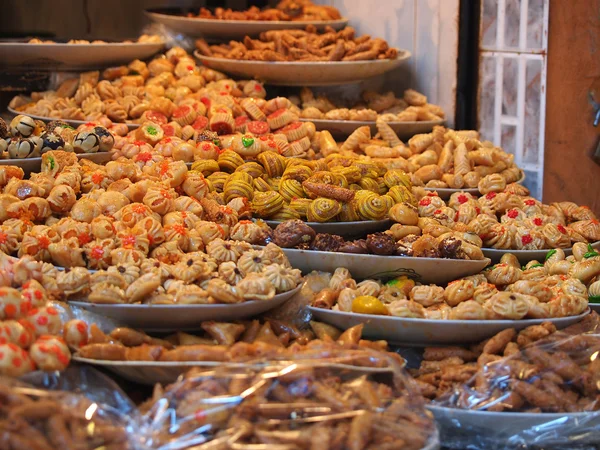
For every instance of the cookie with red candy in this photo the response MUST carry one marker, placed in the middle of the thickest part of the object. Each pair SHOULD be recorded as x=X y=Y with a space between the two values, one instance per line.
x=294 y=131
x=50 y=353
x=280 y=118
x=156 y=117
x=206 y=150
x=12 y=304
x=45 y=320
x=240 y=123
x=258 y=127
x=14 y=361
x=222 y=123
x=184 y=115
x=35 y=293
x=75 y=333
x=12 y=331
x=172 y=129
x=200 y=124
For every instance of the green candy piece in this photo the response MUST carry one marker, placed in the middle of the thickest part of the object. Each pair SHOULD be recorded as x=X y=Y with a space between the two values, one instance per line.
x=217 y=142
x=152 y=130
x=594 y=299
x=393 y=282
x=247 y=141
x=550 y=254
x=51 y=163
x=535 y=265
x=591 y=252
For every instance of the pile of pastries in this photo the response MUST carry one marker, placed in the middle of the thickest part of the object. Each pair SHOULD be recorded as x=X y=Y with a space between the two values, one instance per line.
x=269 y=127
x=25 y=137
x=34 y=333
x=505 y=291
x=299 y=405
x=169 y=88
x=444 y=158
x=229 y=272
x=155 y=243
x=285 y=10
x=453 y=245
x=506 y=220
x=302 y=46
x=331 y=189
x=237 y=342
x=34 y=418
x=538 y=369
x=411 y=107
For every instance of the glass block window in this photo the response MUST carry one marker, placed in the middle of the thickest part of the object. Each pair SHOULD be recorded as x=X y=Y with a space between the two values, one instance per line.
x=512 y=85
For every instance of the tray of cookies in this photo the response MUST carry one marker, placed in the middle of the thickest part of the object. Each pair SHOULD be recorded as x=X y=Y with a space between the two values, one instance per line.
x=525 y=256
x=24 y=140
x=441 y=159
x=509 y=387
x=225 y=24
x=171 y=91
x=345 y=229
x=423 y=332
x=169 y=317
x=465 y=310
x=407 y=115
x=142 y=358
x=382 y=255
x=507 y=220
x=73 y=122
x=77 y=54
x=310 y=58
x=344 y=128
x=426 y=270
x=514 y=221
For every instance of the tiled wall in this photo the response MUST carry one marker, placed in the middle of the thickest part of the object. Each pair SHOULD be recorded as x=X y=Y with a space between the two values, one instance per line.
x=514 y=40
x=427 y=28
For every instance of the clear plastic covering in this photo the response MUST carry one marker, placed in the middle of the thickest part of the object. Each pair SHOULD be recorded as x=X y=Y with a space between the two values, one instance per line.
x=84 y=380
x=171 y=37
x=536 y=388
x=311 y=403
x=34 y=417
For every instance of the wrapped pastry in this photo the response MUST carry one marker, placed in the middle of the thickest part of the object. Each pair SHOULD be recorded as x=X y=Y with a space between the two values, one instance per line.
x=589 y=229
x=503 y=274
x=459 y=291
x=491 y=183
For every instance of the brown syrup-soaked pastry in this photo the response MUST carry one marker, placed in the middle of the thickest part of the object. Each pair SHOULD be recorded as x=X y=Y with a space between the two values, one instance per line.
x=381 y=244
x=451 y=248
x=404 y=246
x=292 y=233
x=327 y=242
x=358 y=246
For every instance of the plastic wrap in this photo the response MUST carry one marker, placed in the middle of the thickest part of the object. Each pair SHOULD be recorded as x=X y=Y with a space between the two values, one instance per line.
x=171 y=37
x=36 y=418
x=536 y=388
x=312 y=403
x=37 y=333
x=84 y=380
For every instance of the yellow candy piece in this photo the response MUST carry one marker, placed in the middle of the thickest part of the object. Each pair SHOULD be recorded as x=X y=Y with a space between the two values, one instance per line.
x=402 y=283
x=367 y=304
